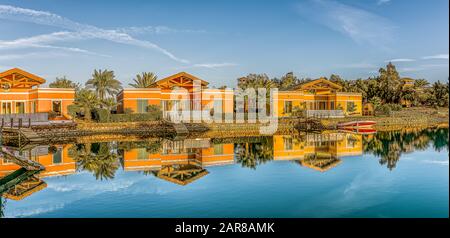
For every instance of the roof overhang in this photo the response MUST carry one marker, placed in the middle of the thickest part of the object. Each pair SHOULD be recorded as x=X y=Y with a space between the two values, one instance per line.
x=17 y=78
x=182 y=79
x=319 y=85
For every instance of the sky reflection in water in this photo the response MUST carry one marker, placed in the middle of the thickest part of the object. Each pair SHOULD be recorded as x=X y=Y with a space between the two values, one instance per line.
x=389 y=174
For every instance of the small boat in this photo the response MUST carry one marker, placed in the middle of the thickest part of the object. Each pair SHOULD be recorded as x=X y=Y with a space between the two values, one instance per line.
x=356 y=124
x=360 y=131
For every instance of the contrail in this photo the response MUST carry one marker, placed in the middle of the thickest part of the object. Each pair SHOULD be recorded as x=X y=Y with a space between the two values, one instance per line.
x=83 y=31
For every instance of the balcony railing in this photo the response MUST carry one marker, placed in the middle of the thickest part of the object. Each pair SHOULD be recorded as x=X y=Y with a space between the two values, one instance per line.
x=25 y=118
x=325 y=113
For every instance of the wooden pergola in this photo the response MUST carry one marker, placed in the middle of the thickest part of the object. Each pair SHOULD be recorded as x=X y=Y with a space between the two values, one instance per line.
x=181 y=174
x=320 y=161
x=182 y=79
x=17 y=78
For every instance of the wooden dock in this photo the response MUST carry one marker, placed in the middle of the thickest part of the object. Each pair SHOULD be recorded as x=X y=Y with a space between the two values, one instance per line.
x=22 y=162
x=17 y=177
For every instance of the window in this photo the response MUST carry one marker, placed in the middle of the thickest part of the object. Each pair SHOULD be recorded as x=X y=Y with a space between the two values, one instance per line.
x=33 y=107
x=287 y=106
x=20 y=107
x=142 y=154
x=56 y=107
x=351 y=107
x=6 y=107
x=218 y=149
x=142 y=105
x=322 y=105
x=287 y=141
x=331 y=105
x=57 y=156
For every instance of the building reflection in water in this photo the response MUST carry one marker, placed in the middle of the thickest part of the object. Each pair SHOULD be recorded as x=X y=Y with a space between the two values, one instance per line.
x=317 y=151
x=183 y=162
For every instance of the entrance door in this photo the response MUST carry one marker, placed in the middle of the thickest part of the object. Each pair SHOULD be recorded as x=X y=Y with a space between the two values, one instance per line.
x=20 y=107
x=6 y=107
x=56 y=107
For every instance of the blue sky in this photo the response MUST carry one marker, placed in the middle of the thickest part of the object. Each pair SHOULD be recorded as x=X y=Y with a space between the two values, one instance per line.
x=220 y=41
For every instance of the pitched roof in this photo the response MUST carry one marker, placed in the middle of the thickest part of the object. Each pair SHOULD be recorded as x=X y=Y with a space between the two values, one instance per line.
x=318 y=84
x=179 y=79
x=18 y=78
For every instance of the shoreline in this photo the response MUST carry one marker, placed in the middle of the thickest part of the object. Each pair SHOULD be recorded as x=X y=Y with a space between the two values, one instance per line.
x=87 y=131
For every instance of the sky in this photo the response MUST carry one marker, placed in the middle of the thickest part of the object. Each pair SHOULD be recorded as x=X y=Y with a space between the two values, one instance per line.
x=220 y=41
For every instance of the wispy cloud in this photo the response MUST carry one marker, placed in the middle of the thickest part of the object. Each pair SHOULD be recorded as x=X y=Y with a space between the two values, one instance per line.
x=358 y=24
x=208 y=65
x=79 y=29
x=213 y=65
x=381 y=2
x=45 y=41
x=422 y=67
x=439 y=56
x=158 y=30
x=35 y=55
x=400 y=60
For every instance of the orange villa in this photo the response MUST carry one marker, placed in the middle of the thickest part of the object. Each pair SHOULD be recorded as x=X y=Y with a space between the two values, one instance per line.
x=175 y=92
x=320 y=98
x=21 y=94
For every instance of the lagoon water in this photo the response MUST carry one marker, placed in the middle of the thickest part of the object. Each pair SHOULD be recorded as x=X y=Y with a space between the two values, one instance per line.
x=389 y=174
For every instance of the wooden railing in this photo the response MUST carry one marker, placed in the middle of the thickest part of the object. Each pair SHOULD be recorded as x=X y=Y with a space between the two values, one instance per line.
x=23 y=119
x=325 y=113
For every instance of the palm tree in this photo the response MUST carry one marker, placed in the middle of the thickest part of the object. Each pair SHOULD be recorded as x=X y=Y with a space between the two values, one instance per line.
x=86 y=100
x=420 y=83
x=144 y=80
x=110 y=103
x=63 y=82
x=104 y=83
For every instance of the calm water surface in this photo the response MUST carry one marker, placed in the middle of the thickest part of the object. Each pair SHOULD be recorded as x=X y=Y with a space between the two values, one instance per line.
x=388 y=174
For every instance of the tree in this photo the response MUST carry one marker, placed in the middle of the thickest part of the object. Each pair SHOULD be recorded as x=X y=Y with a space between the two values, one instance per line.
x=439 y=94
x=110 y=103
x=63 y=82
x=288 y=81
x=389 y=84
x=256 y=81
x=86 y=100
x=144 y=80
x=104 y=83
x=420 y=83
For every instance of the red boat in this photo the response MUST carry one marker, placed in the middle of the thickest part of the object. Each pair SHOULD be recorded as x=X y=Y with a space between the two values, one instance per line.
x=356 y=124
x=360 y=131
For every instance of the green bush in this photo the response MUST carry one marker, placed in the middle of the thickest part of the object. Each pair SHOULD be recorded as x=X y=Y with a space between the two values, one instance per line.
x=376 y=102
x=101 y=115
x=155 y=110
x=298 y=111
x=128 y=110
x=386 y=109
x=73 y=110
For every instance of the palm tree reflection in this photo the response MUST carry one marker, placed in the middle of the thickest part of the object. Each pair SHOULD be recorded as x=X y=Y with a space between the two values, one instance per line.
x=252 y=154
x=390 y=145
x=97 y=158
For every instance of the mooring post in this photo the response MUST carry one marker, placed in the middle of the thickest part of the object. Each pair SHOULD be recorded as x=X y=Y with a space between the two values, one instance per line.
x=20 y=123
x=29 y=122
x=12 y=122
x=3 y=122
